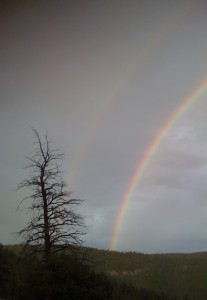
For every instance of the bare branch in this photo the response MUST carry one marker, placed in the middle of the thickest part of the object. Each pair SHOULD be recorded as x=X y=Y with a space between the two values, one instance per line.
x=54 y=223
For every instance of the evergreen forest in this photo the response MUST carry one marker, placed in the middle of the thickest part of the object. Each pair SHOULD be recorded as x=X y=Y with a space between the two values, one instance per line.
x=100 y=274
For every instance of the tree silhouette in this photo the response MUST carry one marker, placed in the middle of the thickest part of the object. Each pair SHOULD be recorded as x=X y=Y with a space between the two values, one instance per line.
x=54 y=225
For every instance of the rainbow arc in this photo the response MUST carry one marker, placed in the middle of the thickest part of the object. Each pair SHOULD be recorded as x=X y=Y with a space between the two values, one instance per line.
x=149 y=154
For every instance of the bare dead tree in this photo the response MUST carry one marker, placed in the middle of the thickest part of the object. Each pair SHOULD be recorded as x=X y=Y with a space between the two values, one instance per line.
x=54 y=225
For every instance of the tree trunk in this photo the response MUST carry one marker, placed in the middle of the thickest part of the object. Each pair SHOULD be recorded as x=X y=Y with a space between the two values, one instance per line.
x=46 y=221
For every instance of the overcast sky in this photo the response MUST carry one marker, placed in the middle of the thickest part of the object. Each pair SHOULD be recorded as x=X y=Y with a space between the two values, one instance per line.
x=102 y=78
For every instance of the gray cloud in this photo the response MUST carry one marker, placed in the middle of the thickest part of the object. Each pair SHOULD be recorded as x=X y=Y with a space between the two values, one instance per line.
x=103 y=80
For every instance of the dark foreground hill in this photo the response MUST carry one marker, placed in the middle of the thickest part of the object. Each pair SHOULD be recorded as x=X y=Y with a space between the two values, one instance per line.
x=62 y=276
x=111 y=275
x=174 y=274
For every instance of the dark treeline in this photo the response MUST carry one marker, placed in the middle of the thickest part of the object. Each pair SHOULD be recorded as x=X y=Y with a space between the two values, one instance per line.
x=182 y=275
x=63 y=276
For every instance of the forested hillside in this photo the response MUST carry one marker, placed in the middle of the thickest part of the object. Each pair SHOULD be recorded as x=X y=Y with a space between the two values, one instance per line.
x=62 y=276
x=103 y=275
x=175 y=274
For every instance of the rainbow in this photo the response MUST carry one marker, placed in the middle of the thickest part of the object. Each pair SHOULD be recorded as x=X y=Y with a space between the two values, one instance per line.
x=142 y=165
x=121 y=84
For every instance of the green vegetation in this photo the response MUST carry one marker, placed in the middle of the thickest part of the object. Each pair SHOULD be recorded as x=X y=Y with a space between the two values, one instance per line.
x=63 y=276
x=111 y=275
x=174 y=274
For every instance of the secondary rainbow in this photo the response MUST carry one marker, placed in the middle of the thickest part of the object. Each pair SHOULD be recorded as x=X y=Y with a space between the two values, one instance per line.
x=142 y=165
x=135 y=65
